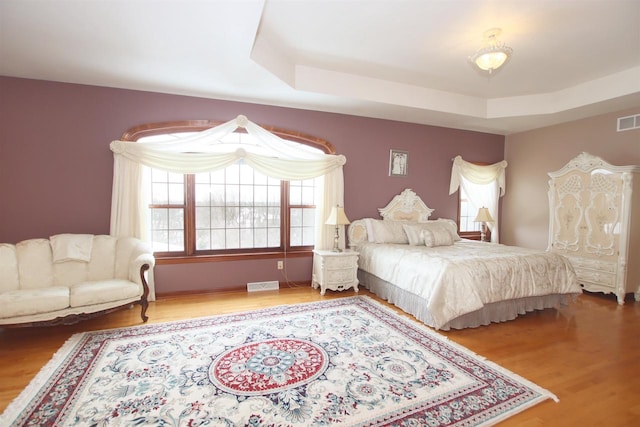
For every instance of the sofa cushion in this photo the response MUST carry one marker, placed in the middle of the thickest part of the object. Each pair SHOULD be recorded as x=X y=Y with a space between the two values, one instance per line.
x=9 y=279
x=69 y=273
x=26 y=302
x=103 y=256
x=35 y=264
x=89 y=293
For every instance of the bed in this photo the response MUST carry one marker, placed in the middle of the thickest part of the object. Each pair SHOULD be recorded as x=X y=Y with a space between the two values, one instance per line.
x=423 y=267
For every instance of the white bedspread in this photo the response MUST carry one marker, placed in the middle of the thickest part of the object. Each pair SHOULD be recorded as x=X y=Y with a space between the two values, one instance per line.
x=461 y=278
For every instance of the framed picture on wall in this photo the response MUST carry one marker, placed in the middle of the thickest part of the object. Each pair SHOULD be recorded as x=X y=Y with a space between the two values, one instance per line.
x=398 y=163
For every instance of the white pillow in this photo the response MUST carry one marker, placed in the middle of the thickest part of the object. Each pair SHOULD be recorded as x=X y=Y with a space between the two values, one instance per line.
x=414 y=234
x=451 y=226
x=385 y=231
x=368 y=224
x=437 y=237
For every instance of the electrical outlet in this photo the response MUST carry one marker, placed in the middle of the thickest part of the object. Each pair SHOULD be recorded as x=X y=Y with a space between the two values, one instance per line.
x=280 y=265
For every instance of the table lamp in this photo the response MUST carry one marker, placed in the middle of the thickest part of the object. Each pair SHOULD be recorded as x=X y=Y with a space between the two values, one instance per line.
x=484 y=217
x=337 y=217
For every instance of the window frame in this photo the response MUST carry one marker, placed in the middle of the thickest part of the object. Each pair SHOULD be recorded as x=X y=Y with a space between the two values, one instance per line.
x=190 y=254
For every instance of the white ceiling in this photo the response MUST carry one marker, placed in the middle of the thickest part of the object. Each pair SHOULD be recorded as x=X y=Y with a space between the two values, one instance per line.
x=402 y=60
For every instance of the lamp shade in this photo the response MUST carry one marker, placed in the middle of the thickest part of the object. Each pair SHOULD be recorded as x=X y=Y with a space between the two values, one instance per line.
x=337 y=217
x=483 y=215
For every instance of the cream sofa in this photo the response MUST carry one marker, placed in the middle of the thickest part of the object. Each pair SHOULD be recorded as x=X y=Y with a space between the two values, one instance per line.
x=71 y=277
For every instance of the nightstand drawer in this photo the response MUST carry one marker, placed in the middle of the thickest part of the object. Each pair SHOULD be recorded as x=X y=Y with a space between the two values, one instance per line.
x=341 y=262
x=340 y=276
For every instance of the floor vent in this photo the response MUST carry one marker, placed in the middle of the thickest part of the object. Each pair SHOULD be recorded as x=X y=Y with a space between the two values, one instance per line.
x=629 y=123
x=263 y=286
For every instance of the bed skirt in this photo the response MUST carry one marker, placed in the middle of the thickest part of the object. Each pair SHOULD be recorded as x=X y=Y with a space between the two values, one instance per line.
x=495 y=312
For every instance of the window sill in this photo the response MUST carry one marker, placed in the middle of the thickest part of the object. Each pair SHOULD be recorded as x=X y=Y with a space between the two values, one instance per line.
x=184 y=259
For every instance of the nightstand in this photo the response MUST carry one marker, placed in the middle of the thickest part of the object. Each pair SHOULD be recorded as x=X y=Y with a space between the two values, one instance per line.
x=335 y=270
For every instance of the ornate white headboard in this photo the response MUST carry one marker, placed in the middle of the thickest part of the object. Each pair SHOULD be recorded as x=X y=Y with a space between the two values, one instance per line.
x=406 y=206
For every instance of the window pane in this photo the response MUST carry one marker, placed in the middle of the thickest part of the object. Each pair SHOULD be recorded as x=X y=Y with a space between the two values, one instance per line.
x=296 y=217
x=203 y=194
x=246 y=217
x=246 y=238
x=218 y=239
x=296 y=236
x=232 y=217
x=203 y=218
x=308 y=194
x=232 y=238
x=218 y=217
x=203 y=239
x=246 y=195
x=167 y=229
x=159 y=193
x=295 y=193
x=176 y=194
x=260 y=238
x=273 y=236
x=309 y=217
x=274 y=218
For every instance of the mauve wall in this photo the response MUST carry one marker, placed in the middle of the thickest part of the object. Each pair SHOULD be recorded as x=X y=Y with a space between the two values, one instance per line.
x=531 y=155
x=56 y=166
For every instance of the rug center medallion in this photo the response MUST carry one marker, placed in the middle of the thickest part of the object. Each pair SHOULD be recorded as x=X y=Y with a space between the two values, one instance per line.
x=268 y=366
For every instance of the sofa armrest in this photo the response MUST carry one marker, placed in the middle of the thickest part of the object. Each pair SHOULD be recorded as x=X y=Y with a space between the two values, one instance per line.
x=135 y=274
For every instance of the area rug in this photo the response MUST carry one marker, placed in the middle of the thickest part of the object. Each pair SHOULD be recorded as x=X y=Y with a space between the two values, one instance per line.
x=342 y=362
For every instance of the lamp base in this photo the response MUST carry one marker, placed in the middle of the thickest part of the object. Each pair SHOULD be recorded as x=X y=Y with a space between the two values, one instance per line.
x=336 y=239
x=483 y=232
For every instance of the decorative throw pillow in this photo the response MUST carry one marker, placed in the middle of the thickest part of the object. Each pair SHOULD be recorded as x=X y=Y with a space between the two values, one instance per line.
x=414 y=234
x=437 y=237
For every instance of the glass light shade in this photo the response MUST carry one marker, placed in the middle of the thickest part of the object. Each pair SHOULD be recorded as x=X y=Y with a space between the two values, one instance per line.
x=337 y=217
x=491 y=60
x=494 y=54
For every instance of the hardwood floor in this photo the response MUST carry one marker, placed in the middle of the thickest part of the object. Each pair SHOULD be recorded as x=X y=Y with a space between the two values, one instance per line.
x=588 y=354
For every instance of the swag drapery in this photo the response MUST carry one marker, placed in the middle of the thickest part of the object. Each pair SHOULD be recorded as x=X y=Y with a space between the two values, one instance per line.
x=203 y=152
x=483 y=186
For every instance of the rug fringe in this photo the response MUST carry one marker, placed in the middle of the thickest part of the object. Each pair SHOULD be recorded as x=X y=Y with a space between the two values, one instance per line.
x=12 y=412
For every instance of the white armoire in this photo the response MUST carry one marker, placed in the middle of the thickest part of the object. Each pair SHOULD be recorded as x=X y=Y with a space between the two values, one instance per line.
x=595 y=222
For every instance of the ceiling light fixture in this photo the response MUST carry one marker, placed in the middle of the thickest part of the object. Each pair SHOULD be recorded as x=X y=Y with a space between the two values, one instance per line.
x=494 y=55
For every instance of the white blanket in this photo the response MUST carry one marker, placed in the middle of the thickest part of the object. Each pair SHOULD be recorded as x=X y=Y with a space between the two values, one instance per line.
x=462 y=278
x=71 y=247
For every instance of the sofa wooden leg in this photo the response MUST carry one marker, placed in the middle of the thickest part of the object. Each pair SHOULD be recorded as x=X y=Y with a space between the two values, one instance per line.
x=144 y=300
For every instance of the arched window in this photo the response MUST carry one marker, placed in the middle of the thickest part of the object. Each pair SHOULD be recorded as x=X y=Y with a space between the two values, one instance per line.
x=236 y=210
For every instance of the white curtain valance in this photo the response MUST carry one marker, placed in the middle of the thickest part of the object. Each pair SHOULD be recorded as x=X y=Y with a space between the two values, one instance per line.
x=205 y=152
x=477 y=174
